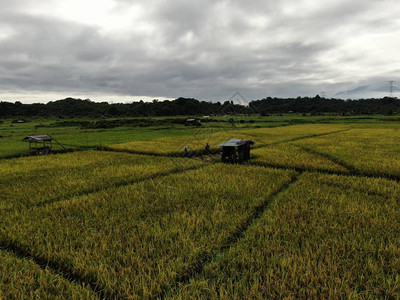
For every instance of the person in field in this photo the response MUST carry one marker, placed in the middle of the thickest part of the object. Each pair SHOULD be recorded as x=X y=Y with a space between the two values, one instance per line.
x=207 y=149
x=185 y=151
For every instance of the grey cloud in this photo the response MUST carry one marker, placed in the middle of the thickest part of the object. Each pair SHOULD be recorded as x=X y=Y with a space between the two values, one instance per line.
x=204 y=49
x=377 y=86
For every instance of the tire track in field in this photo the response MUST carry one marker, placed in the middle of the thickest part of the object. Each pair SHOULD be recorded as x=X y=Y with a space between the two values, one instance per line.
x=297 y=169
x=98 y=189
x=115 y=185
x=358 y=190
x=331 y=158
x=192 y=154
x=206 y=258
x=109 y=149
x=330 y=172
x=353 y=171
x=57 y=268
x=257 y=213
x=63 y=269
x=301 y=138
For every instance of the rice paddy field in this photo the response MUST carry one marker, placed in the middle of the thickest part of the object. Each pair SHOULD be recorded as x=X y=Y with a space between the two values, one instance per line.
x=314 y=213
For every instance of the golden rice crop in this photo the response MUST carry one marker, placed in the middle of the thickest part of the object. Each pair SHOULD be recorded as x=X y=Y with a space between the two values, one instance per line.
x=23 y=279
x=287 y=133
x=292 y=156
x=35 y=180
x=135 y=240
x=327 y=236
x=175 y=146
x=371 y=151
x=196 y=142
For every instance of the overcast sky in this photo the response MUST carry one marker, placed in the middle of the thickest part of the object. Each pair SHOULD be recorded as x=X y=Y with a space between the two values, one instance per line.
x=122 y=50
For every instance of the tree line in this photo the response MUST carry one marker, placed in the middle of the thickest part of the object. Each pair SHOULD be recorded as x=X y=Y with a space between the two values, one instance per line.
x=71 y=108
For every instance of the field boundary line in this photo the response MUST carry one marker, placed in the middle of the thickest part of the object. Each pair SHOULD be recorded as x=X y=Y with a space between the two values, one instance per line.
x=206 y=258
x=258 y=211
x=200 y=152
x=117 y=185
x=192 y=154
x=331 y=158
x=302 y=138
x=327 y=172
x=67 y=272
x=297 y=169
x=358 y=190
x=57 y=268
x=353 y=171
x=95 y=190
x=24 y=155
x=171 y=154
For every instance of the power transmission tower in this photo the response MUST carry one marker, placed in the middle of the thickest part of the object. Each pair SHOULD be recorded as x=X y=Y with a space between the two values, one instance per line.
x=392 y=84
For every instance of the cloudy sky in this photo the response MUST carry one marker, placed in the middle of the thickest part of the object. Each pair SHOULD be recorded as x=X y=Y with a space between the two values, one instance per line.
x=124 y=50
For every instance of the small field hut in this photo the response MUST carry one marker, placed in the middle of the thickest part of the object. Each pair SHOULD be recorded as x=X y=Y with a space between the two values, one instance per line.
x=236 y=150
x=41 y=144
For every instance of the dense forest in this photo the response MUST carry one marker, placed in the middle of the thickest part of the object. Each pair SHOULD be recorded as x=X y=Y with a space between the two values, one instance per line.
x=187 y=106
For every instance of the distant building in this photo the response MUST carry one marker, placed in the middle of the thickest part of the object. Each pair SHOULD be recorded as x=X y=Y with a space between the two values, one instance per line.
x=193 y=122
